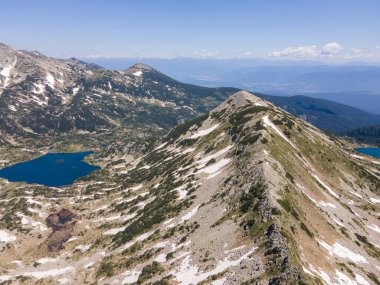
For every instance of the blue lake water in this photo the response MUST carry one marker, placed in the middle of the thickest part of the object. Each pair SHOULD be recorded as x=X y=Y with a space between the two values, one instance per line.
x=52 y=169
x=372 y=151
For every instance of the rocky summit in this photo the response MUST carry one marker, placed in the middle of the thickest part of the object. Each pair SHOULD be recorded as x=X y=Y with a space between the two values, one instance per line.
x=243 y=194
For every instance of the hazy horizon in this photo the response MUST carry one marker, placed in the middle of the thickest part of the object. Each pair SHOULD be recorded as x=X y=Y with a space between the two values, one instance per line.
x=331 y=31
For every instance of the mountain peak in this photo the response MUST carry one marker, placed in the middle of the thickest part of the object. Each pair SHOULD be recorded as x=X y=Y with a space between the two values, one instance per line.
x=138 y=69
x=142 y=66
x=243 y=96
x=240 y=99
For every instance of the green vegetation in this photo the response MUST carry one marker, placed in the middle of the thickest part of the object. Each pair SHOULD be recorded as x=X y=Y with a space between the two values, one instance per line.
x=373 y=277
x=369 y=134
x=346 y=268
x=182 y=129
x=244 y=115
x=10 y=220
x=187 y=142
x=251 y=201
x=163 y=281
x=146 y=255
x=211 y=161
x=288 y=207
x=154 y=212
x=306 y=230
x=372 y=180
x=290 y=177
x=250 y=139
x=106 y=268
x=369 y=247
x=150 y=271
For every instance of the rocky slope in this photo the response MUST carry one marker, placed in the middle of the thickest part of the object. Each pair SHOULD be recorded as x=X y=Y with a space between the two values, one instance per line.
x=246 y=194
x=42 y=98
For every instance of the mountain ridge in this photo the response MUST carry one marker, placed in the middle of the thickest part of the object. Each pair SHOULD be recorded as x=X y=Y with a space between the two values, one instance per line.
x=246 y=194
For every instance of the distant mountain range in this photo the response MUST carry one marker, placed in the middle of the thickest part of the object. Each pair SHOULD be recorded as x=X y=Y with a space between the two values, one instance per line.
x=45 y=98
x=326 y=115
x=354 y=84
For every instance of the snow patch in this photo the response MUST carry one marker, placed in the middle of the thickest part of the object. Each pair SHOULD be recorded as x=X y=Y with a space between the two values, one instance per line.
x=6 y=237
x=188 y=273
x=338 y=222
x=83 y=247
x=356 y=194
x=343 y=252
x=135 y=188
x=190 y=214
x=130 y=277
x=50 y=80
x=374 y=228
x=374 y=200
x=6 y=72
x=75 y=90
x=47 y=260
x=114 y=231
x=161 y=258
x=326 y=204
x=216 y=166
x=325 y=185
x=182 y=192
x=361 y=280
x=357 y=156
x=138 y=73
x=268 y=122
x=49 y=273
x=204 y=132
x=203 y=161
x=161 y=146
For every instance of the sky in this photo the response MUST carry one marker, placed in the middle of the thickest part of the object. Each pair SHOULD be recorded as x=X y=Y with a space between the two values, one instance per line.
x=345 y=30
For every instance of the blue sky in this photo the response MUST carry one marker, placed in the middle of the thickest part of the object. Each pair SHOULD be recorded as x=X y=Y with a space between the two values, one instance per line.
x=292 y=29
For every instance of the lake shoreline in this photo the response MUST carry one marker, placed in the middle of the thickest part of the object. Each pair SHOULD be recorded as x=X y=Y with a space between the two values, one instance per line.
x=370 y=151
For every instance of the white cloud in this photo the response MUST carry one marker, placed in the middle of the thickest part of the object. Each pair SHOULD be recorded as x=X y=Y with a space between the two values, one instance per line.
x=207 y=53
x=328 y=50
x=303 y=51
x=331 y=48
x=356 y=50
x=357 y=53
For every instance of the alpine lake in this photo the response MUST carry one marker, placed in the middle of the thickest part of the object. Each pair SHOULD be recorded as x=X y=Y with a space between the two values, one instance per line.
x=51 y=169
